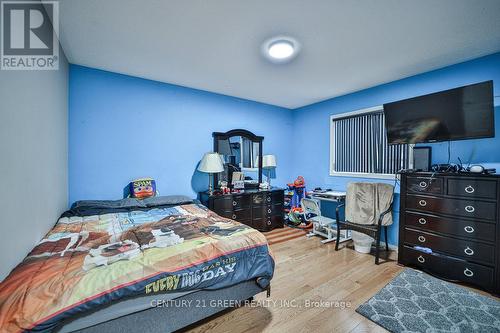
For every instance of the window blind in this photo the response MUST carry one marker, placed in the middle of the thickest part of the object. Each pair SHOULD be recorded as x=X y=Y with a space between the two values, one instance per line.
x=359 y=145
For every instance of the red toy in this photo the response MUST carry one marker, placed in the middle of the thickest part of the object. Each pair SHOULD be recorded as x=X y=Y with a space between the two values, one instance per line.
x=299 y=190
x=295 y=216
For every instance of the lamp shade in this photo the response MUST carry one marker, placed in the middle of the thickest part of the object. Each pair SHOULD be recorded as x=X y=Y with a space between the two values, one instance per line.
x=211 y=163
x=268 y=161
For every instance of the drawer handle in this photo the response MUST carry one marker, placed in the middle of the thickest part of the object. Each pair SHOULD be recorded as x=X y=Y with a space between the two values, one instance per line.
x=469 y=189
x=422 y=203
x=421 y=259
x=423 y=184
x=269 y=211
x=468 y=251
x=422 y=221
x=234 y=216
x=468 y=272
x=469 y=229
x=469 y=209
x=234 y=203
x=421 y=239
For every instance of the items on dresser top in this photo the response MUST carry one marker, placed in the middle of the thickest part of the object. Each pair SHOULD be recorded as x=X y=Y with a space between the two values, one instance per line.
x=449 y=226
x=268 y=164
x=481 y=169
x=422 y=157
x=260 y=209
x=211 y=163
x=447 y=168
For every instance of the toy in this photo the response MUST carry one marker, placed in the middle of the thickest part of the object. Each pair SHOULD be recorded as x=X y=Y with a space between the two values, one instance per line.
x=224 y=188
x=299 y=191
x=296 y=215
x=142 y=188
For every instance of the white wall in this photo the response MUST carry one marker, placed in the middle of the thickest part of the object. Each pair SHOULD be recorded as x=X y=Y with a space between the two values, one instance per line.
x=33 y=158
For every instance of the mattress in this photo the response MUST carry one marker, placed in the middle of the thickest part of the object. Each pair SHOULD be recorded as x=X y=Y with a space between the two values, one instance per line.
x=186 y=312
x=119 y=309
x=87 y=263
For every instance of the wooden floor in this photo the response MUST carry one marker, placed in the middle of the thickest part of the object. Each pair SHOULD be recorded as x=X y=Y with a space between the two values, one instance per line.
x=280 y=235
x=307 y=270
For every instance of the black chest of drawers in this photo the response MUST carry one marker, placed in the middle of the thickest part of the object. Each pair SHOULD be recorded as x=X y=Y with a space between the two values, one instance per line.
x=260 y=209
x=457 y=217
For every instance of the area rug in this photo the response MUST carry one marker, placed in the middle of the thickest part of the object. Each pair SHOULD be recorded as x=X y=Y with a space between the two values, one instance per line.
x=284 y=234
x=417 y=302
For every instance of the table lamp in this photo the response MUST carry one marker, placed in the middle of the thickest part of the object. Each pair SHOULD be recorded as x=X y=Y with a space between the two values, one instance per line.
x=268 y=163
x=211 y=163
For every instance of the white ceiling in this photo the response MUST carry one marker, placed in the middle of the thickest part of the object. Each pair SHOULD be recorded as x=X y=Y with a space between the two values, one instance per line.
x=347 y=45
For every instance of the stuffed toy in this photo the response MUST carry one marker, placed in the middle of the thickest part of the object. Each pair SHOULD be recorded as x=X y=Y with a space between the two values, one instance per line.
x=142 y=188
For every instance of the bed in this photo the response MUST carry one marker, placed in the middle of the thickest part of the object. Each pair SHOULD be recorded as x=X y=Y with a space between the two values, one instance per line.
x=130 y=265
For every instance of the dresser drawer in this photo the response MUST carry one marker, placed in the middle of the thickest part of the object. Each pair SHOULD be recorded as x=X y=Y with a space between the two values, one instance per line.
x=260 y=212
x=424 y=185
x=277 y=221
x=278 y=197
x=465 y=249
x=241 y=201
x=449 y=268
x=474 y=188
x=227 y=203
x=458 y=207
x=268 y=198
x=262 y=224
x=269 y=222
x=277 y=209
x=222 y=204
x=237 y=214
x=268 y=210
x=454 y=227
x=260 y=199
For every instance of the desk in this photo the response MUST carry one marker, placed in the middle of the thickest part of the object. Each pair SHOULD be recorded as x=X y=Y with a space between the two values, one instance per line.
x=335 y=196
x=330 y=231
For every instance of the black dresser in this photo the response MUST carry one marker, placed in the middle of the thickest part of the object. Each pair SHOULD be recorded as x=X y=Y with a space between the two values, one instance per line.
x=260 y=209
x=457 y=216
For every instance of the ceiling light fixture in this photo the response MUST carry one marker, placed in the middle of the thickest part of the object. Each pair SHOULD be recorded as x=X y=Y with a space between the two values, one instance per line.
x=280 y=49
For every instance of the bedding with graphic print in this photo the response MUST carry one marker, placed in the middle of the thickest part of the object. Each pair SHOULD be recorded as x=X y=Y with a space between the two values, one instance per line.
x=86 y=262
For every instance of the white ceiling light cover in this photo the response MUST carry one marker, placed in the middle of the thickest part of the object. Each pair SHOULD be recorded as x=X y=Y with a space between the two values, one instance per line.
x=280 y=49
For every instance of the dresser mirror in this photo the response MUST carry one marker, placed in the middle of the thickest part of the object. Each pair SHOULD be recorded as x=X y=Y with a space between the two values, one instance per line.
x=241 y=153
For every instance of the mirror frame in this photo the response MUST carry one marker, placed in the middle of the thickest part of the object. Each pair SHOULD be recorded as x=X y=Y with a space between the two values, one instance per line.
x=237 y=132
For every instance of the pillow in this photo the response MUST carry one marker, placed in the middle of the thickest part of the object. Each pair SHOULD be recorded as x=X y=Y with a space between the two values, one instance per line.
x=167 y=200
x=123 y=203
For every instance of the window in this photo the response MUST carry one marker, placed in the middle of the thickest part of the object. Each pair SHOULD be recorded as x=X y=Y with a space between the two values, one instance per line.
x=358 y=146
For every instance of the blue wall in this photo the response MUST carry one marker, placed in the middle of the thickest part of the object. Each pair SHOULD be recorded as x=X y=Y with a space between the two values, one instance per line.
x=313 y=122
x=123 y=127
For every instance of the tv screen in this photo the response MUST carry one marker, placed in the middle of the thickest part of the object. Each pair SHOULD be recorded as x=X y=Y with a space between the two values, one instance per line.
x=455 y=114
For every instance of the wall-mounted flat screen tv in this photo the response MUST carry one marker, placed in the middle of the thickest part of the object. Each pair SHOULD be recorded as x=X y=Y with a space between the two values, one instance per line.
x=455 y=114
